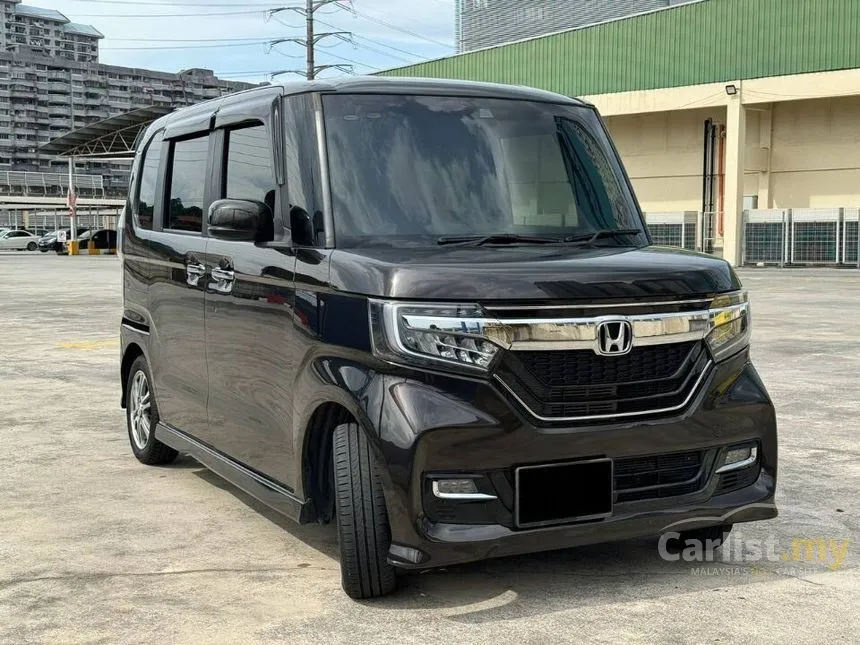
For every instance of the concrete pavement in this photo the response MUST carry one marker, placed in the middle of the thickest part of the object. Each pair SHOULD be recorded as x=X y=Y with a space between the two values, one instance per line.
x=96 y=548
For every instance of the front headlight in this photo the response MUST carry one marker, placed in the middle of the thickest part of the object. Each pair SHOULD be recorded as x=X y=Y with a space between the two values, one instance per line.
x=441 y=335
x=731 y=325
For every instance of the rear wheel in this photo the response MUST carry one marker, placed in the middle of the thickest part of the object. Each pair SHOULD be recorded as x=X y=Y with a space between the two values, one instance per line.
x=31 y=246
x=362 y=518
x=141 y=414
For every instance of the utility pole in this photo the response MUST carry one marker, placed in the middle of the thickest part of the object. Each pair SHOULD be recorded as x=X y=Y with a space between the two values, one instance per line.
x=311 y=37
x=309 y=17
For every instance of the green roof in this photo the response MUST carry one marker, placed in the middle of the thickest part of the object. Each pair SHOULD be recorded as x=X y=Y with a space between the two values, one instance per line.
x=704 y=42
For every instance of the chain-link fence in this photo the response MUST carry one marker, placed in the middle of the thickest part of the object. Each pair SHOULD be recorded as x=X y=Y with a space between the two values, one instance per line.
x=815 y=236
x=774 y=237
x=765 y=237
x=675 y=229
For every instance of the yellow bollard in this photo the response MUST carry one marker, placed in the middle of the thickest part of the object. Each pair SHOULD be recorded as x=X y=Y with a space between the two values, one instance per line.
x=74 y=247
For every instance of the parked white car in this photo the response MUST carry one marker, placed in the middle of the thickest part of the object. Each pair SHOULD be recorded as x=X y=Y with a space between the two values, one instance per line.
x=19 y=241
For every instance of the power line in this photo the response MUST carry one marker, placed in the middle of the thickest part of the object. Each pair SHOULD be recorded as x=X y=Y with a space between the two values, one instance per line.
x=376 y=51
x=181 y=4
x=309 y=42
x=190 y=40
x=371 y=40
x=167 y=15
x=384 y=23
x=254 y=44
x=348 y=38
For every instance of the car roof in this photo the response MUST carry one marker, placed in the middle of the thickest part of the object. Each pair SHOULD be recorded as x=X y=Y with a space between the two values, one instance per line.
x=426 y=86
x=191 y=119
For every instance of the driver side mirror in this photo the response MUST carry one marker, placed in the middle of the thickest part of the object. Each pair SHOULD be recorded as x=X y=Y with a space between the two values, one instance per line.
x=238 y=219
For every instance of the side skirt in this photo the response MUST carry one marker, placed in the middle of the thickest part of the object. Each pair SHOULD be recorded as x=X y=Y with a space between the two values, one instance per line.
x=256 y=485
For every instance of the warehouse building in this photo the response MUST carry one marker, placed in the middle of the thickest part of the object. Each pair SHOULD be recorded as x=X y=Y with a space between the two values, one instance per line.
x=486 y=23
x=717 y=107
x=51 y=83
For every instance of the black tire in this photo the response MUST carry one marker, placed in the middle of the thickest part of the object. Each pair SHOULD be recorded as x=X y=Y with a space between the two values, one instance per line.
x=362 y=518
x=151 y=452
x=44 y=250
x=32 y=246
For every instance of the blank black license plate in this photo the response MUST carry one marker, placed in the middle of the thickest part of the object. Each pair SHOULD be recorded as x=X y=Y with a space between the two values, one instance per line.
x=557 y=493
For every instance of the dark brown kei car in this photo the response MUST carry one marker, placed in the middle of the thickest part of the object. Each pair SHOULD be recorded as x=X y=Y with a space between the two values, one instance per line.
x=431 y=313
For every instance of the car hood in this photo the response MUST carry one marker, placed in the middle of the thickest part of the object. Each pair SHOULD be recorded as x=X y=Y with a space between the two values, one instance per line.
x=529 y=273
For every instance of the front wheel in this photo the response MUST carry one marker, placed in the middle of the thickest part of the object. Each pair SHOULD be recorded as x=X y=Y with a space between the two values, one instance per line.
x=141 y=414
x=362 y=518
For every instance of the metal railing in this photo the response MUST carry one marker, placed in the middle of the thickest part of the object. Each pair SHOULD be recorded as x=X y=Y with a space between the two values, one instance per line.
x=774 y=237
x=41 y=221
x=43 y=183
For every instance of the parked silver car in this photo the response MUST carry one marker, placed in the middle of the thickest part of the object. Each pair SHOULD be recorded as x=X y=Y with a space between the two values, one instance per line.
x=18 y=241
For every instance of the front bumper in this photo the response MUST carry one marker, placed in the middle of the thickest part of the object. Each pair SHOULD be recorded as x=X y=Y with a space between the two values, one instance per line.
x=431 y=424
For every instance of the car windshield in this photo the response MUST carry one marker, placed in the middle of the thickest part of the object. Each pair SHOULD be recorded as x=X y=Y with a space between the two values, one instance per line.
x=409 y=170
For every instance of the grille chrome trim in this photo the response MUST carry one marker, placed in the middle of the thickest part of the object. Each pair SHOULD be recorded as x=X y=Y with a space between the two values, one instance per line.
x=542 y=334
x=611 y=305
x=594 y=417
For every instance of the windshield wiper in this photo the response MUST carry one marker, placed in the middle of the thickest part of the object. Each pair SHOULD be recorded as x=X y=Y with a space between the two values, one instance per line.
x=589 y=238
x=498 y=238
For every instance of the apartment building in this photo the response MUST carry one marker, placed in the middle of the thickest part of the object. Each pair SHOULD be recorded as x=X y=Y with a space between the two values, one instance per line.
x=51 y=83
x=486 y=23
x=46 y=32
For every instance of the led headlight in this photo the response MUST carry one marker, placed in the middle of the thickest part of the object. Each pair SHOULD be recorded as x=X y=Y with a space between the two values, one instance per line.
x=730 y=324
x=442 y=335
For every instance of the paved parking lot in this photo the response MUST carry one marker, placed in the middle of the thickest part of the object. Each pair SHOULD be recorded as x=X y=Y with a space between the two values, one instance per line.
x=95 y=548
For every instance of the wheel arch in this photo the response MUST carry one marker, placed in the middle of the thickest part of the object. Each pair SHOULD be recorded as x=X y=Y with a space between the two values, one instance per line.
x=132 y=351
x=316 y=458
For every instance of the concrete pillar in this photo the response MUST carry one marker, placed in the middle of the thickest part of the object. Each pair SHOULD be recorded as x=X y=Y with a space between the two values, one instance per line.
x=736 y=134
x=765 y=136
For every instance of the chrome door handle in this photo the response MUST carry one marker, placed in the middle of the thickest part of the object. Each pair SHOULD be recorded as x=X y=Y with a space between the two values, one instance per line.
x=194 y=272
x=223 y=275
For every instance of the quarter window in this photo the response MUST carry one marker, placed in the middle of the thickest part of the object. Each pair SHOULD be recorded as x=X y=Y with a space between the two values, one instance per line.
x=187 y=185
x=148 y=181
x=250 y=170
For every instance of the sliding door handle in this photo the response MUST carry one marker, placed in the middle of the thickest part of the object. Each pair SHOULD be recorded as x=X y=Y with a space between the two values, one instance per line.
x=193 y=273
x=223 y=275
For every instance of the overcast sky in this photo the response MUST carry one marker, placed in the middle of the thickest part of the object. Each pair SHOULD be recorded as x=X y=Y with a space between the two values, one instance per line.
x=388 y=33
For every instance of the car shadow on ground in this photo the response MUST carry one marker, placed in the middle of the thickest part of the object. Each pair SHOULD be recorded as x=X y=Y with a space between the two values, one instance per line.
x=537 y=584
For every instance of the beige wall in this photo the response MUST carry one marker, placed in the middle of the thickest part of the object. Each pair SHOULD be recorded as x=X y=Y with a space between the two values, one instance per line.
x=815 y=161
x=813 y=154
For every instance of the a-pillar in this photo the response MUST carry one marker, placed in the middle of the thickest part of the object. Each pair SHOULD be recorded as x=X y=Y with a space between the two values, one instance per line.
x=736 y=134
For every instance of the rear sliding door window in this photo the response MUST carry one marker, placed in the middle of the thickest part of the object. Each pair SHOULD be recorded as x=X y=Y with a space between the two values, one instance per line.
x=187 y=184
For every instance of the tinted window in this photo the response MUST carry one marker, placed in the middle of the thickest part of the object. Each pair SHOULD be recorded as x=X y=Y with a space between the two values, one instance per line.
x=301 y=160
x=249 y=168
x=187 y=184
x=148 y=180
x=414 y=168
